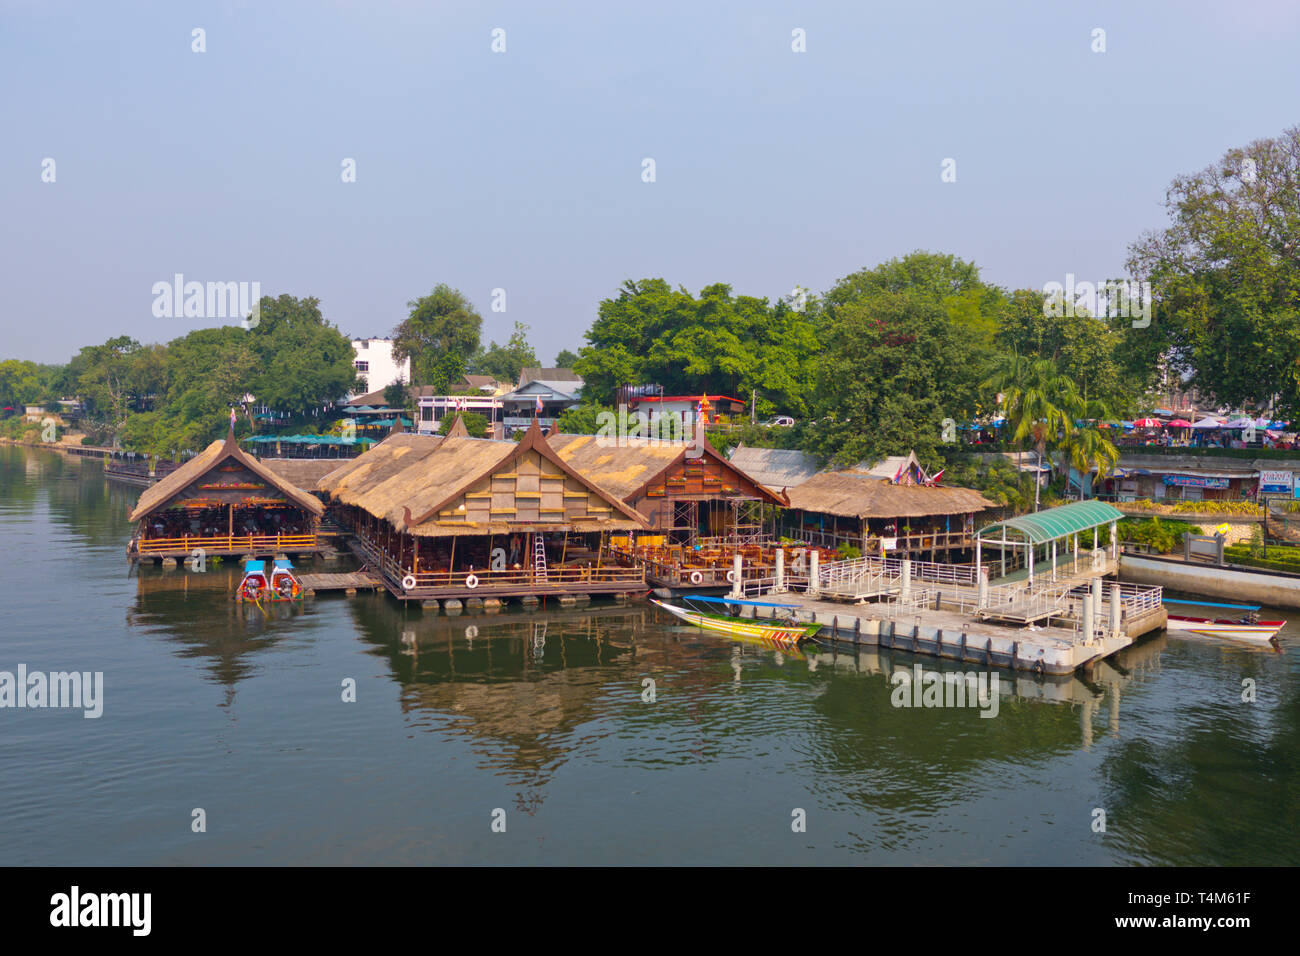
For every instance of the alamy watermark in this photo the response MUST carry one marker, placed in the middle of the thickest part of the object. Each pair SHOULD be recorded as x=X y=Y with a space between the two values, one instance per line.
x=179 y=299
x=62 y=689
x=927 y=688
x=1113 y=298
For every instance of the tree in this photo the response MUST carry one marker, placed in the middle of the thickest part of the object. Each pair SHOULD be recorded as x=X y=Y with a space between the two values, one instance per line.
x=1226 y=276
x=304 y=361
x=654 y=334
x=20 y=383
x=440 y=336
x=1087 y=448
x=505 y=362
x=566 y=359
x=905 y=346
x=475 y=424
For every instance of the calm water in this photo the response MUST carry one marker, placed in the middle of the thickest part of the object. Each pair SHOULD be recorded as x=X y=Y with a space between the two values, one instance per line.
x=209 y=704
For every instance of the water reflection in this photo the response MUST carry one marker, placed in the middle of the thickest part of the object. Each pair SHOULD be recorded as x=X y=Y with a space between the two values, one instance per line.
x=196 y=614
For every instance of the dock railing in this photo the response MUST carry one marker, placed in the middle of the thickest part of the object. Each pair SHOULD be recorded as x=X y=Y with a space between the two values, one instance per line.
x=243 y=543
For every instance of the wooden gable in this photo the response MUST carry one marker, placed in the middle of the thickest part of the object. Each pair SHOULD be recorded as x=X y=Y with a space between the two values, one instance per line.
x=707 y=476
x=532 y=490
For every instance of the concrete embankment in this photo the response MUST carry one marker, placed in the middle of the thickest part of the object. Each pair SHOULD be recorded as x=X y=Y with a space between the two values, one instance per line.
x=1231 y=583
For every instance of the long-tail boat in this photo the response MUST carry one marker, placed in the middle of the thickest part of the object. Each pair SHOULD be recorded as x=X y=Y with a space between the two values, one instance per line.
x=279 y=584
x=787 y=632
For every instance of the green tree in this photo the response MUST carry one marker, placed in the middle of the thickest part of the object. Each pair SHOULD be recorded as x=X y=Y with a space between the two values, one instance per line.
x=905 y=346
x=505 y=362
x=475 y=424
x=20 y=383
x=440 y=337
x=303 y=361
x=1226 y=276
x=566 y=359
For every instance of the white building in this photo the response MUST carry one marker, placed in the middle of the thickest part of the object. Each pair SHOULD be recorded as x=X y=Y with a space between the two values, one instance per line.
x=373 y=359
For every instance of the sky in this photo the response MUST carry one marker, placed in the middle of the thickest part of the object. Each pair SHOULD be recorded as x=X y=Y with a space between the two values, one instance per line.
x=524 y=170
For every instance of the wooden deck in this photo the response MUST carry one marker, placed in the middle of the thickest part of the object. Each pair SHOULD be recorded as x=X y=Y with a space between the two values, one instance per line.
x=354 y=580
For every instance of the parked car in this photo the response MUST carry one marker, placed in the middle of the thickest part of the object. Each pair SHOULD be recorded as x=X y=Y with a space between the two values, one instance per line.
x=781 y=421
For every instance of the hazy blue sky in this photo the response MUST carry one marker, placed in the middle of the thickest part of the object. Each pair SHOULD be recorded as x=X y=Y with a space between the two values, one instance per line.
x=522 y=170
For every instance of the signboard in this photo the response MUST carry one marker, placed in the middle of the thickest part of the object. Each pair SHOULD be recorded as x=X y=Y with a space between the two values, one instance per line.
x=1195 y=481
x=1275 y=482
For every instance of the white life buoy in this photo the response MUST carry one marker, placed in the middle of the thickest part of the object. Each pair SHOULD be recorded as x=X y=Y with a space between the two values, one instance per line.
x=471 y=582
x=408 y=582
x=696 y=577
x=731 y=576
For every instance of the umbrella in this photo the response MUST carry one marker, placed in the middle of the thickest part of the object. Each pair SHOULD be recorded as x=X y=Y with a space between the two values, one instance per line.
x=1146 y=423
x=1178 y=423
x=1241 y=423
x=1208 y=423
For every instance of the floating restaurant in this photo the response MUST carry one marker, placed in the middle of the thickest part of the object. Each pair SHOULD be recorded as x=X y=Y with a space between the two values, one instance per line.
x=894 y=506
x=700 y=508
x=454 y=518
x=226 y=503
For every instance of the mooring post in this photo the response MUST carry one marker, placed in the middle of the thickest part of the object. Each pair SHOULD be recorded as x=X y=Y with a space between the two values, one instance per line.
x=1097 y=595
x=780 y=571
x=1114 y=610
x=1087 y=617
x=814 y=582
x=905 y=585
x=737 y=566
x=982 y=592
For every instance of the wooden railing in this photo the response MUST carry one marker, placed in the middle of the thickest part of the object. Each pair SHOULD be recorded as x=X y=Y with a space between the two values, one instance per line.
x=250 y=543
x=568 y=577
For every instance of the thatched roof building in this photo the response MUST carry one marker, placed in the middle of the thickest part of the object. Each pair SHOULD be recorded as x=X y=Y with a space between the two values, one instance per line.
x=222 y=475
x=432 y=486
x=860 y=494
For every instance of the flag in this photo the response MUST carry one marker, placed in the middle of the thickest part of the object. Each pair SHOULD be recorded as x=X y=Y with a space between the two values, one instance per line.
x=539 y=405
x=899 y=474
x=232 y=417
x=934 y=479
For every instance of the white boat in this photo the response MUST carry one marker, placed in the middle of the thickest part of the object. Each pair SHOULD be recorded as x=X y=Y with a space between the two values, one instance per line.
x=1247 y=628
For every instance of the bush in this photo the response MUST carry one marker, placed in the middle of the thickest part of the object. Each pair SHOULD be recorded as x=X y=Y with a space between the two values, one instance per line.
x=1163 y=536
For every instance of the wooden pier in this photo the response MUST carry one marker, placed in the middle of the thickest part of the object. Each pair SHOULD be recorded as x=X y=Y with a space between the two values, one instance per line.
x=346 y=581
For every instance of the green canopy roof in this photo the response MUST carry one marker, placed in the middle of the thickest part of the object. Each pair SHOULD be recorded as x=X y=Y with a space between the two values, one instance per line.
x=1054 y=523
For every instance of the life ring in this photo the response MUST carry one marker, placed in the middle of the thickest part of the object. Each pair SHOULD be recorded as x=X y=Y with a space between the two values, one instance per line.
x=408 y=582
x=731 y=576
x=696 y=577
x=471 y=582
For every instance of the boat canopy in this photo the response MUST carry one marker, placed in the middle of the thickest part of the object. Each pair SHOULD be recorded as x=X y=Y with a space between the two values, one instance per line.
x=254 y=567
x=717 y=600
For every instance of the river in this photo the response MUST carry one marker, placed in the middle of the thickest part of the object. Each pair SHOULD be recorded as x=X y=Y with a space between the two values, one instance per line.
x=543 y=725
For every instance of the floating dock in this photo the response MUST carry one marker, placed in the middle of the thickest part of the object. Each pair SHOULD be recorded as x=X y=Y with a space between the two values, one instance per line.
x=347 y=581
x=956 y=634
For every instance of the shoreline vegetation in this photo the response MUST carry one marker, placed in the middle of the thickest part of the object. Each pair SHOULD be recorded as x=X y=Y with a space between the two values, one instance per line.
x=919 y=353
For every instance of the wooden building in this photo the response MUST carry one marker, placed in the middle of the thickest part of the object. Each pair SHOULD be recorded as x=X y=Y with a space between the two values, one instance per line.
x=459 y=517
x=226 y=503
x=889 y=508
x=701 y=510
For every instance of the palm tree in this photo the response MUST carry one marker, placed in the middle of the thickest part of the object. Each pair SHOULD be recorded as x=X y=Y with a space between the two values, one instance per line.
x=1086 y=448
x=1040 y=403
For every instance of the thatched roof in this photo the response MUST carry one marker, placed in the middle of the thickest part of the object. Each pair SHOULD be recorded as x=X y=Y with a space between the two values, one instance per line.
x=620 y=470
x=156 y=496
x=303 y=473
x=407 y=478
x=858 y=494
